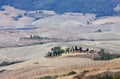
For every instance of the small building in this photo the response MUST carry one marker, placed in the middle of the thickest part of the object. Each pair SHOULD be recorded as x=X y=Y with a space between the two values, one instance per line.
x=31 y=36
x=84 y=50
x=91 y=51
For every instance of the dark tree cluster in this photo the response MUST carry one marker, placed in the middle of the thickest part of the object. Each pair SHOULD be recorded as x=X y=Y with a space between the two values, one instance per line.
x=56 y=51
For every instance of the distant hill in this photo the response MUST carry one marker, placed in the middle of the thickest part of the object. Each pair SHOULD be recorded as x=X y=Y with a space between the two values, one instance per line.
x=99 y=7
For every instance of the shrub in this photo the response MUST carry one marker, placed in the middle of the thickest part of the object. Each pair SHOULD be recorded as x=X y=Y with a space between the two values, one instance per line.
x=97 y=58
x=116 y=77
x=104 y=75
x=71 y=73
x=92 y=40
x=6 y=63
x=99 y=30
x=46 y=77
x=1 y=71
x=85 y=71
x=106 y=56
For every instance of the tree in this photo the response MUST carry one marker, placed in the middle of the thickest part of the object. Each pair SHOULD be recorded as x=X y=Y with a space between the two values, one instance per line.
x=56 y=51
x=66 y=50
x=102 y=50
x=87 y=49
x=49 y=54
x=76 y=48
x=80 y=49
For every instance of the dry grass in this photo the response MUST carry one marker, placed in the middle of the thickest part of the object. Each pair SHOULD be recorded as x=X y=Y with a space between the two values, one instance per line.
x=31 y=72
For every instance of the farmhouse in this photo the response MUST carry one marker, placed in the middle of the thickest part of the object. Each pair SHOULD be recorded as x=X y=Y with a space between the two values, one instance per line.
x=31 y=36
x=77 y=49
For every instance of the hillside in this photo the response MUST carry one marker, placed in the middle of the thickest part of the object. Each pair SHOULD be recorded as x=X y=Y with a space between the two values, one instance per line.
x=99 y=7
x=31 y=32
x=36 y=66
x=16 y=24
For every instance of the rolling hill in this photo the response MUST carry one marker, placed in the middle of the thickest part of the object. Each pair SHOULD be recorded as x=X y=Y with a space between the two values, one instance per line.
x=30 y=28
